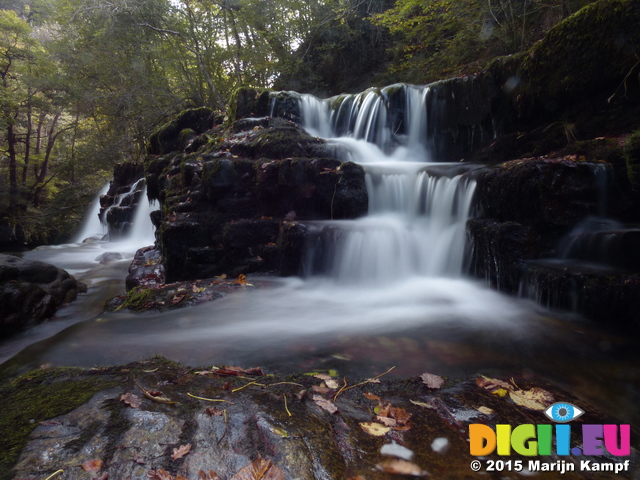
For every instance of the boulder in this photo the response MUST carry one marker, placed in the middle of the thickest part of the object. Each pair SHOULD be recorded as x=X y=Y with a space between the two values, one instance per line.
x=32 y=291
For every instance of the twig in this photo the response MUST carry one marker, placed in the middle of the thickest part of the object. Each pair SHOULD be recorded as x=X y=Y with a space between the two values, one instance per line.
x=165 y=400
x=284 y=395
x=244 y=386
x=284 y=383
x=210 y=400
x=54 y=474
x=345 y=388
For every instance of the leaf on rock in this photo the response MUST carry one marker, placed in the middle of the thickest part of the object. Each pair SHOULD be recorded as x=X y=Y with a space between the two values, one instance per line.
x=492 y=384
x=328 y=381
x=131 y=399
x=389 y=422
x=325 y=404
x=534 y=399
x=375 y=429
x=401 y=467
x=431 y=380
x=423 y=404
x=485 y=410
x=180 y=452
x=214 y=412
x=160 y=474
x=202 y=475
x=92 y=465
x=260 y=470
x=371 y=396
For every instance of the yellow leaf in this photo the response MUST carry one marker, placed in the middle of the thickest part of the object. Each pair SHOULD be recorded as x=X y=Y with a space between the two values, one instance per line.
x=485 y=410
x=375 y=429
x=501 y=392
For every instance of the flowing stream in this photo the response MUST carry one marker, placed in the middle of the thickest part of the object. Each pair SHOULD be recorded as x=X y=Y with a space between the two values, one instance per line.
x=386 y=290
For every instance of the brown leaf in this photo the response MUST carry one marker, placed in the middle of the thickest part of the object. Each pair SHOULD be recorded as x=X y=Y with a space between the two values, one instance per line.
x=177 y=299
x=260 y=470
x=131 y=399
x=92 y=465
x=325 y=404
x=371 y=396
x=208 y=476
x=534 y=399
x=375 y=429
x=329 y=382
x=214 y=412
x=431 y=380
x=180 y=452
x=139 y=459
x=160 y=474
x=401 y=467
x=389 y=422
x=492 y=384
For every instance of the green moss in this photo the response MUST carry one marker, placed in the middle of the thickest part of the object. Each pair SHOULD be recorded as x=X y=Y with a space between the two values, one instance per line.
x=138 y=299
x=37 y=396
x=632 y=159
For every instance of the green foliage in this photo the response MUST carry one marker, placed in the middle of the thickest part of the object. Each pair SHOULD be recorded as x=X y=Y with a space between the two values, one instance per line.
x=632 y=159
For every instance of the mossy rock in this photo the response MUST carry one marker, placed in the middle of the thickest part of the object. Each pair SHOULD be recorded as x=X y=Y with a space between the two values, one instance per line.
x=632 y=159
x=589 y=53
x=168 y=137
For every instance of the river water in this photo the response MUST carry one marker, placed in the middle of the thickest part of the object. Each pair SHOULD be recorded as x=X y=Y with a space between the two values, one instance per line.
x=386 y=290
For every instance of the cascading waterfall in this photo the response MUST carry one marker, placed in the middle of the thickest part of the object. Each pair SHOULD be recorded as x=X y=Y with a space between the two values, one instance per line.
x=93 y=225
x=417 y=220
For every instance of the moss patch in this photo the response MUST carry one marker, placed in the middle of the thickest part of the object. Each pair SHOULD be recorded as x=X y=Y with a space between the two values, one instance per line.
x=37 y=396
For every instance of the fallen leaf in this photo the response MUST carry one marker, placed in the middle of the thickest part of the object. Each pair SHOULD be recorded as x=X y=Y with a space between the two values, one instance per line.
x=180 y=452
x=155 y=396
x=371 y=396
x=534 y=399
x=131 y=399
x=177 y=299
x=492 y=383
x=92 y=465
x=208 y=476
x=139 y=459
x=389 y=422
x=431 y=380
x=401 y=467
x=485 y=410
x=375 y=429
x=329 y=382
x=325 y=404
x=160 y=474
x=423 y=404
x=260 y=470
x=214 y=412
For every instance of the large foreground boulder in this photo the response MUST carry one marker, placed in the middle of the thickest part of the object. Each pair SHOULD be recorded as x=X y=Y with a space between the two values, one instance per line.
x=32 y=291
x=214 y=423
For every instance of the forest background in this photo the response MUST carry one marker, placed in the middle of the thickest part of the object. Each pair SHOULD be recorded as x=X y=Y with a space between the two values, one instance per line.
x=85 y=82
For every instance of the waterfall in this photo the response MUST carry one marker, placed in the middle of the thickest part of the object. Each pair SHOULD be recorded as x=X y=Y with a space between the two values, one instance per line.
x=92 y=225
x=417 y=220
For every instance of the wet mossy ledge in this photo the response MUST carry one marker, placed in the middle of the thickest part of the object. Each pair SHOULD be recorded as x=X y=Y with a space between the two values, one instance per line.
x=132 y=419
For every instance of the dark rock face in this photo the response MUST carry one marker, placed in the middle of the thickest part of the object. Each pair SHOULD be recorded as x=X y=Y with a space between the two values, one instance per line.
x=32 y=291
x=538 y=235
x=224 y=207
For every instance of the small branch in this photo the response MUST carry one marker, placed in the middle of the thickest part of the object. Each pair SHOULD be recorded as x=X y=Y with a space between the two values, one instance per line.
x=210 y=399
x=345 y=388
x=284 y=395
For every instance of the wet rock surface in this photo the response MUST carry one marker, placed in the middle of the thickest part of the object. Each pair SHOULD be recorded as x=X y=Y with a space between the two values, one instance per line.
x=224 y=208
x=32 y=291
x=156 y=419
